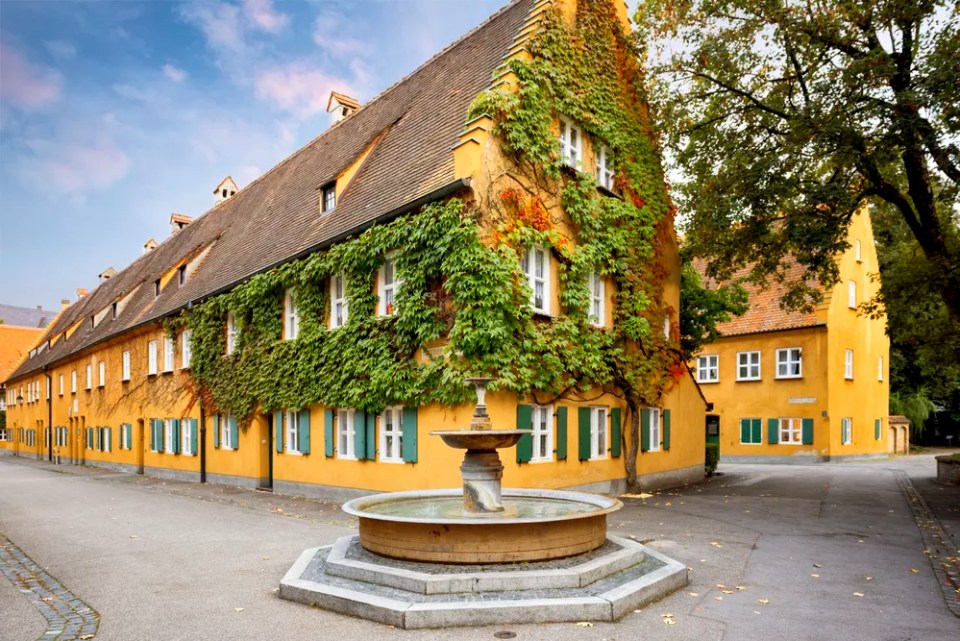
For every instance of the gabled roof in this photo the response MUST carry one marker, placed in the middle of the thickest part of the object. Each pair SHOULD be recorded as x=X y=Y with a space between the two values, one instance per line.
x=764 y=313
x=25 y=316
x=343 y=99
x=276 y=217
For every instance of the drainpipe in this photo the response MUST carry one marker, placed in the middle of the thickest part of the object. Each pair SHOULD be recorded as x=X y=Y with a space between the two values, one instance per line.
x=49 y=378
x=203 y=444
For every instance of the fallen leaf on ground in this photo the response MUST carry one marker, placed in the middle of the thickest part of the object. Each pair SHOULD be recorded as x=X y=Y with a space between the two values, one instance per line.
x=868 y=578
x=727 y=591
x=719 y=598
x=87 y=636
x=721 y=586
x=715 y=544
x=817 y=565
x=642 y=495
x=239 y=609
x=763 y=601
x=741 y=588
x=858 y=594
x=275 y=590
x=816 y=576
x=914 y=570
x=693 y=594
x=266 y=558
x=47 y=599
x=134 y=536
x=584 y=624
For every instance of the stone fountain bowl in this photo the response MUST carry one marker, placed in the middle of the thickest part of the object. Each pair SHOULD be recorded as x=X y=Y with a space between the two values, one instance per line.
x=481 y=439
x=430 y=526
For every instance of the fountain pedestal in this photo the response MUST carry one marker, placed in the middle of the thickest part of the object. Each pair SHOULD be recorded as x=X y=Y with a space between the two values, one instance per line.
x=481 y=472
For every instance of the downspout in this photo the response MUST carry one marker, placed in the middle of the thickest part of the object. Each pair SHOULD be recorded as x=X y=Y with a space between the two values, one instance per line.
x=203 y=424
x=49 y=378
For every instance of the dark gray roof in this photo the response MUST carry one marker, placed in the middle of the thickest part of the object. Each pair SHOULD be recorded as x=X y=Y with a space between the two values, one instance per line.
x=276 y=217
x=25 y=316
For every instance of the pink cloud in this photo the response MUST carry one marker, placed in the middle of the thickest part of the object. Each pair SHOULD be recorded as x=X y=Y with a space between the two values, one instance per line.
x=26 y=84
x=298 y=88
x=328 y=35
x=173 y=73
x=74 y=167
x=263 y=15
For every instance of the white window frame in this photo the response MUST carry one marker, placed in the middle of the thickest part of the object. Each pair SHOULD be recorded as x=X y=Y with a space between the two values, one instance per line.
x=745 y=366
x=848 y=364
x=231 y=333
x=528 y=264
x=598 y=289
x=542 y=434
x=390 y=440
x=852 y=294
x=168 y=435
x=385 y=308
x=599 y=432
x=125 y=366
x=124 y=443
x=185 y=438
x=169 y=347
x=225 y=435
x=857 y=252
x=708 y=368
x=186 y=352
x=339 y=308
x=571 y=143
x=88 y=371
x=291 y=316
x=880 y=368
x=102 y=372
x=346 y=434
x=656 y=429
x=604 y=167
x=790 y=431
x=846 y=431
x=291 y=428
x=152 y=358
x=785 y=359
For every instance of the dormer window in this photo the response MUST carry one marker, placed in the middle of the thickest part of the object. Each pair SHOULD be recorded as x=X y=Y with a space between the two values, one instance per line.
x=328 y=198
x=182 y=275
x=604 y=167
x=113 y=309
x=571 y=143
x=156 y=288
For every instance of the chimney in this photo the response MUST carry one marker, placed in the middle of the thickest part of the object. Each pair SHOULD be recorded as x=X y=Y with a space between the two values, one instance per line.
x=107 y=274
x=64 y=303
x=226 y=189
x=178 y=222
x=339 y=106
x=81 y=292
x=39 y=308
x=149 y=246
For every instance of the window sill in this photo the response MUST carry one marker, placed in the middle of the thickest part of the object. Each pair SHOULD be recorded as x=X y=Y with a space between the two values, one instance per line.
x=151 y=374
x=292 y=452
x=708 y=382
x=788 y=378
x=124 y=380
x=609 y=192
x=167 y=371
x=392 y=461
x=347 y=458
x=184 y=367
x=749 y=380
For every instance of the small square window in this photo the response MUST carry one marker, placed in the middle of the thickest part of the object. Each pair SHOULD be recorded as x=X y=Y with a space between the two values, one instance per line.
x=604 y=167
x=535 y=263
x=790 y=363
x=748 y=366
x=328 y=198
x=708 y=368
x=571 y=143
x=791 y=431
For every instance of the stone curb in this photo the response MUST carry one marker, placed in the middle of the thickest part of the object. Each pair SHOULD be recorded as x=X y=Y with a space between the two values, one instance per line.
x=68 y=618
x=943 y=558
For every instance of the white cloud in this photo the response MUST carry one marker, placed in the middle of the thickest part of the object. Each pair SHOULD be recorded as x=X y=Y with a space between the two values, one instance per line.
x=298 y=88
x=26 y=84
x=73 y=167
x=262 y=15
x=60 y=49
x=219 y=22
x=328 y=35
x=173 y=73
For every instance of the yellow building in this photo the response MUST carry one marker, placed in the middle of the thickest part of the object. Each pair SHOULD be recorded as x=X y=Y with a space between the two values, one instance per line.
x=309 y=331
x=790 y=386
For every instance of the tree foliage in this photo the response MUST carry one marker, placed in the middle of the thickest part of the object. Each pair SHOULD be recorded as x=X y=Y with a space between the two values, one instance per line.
x=703 y=308
x=785 y=115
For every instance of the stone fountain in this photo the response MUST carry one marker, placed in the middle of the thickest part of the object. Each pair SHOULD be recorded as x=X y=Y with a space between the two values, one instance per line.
x=481 y=554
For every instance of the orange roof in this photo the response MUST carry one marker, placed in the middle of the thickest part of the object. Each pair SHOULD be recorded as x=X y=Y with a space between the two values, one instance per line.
x=764 y=313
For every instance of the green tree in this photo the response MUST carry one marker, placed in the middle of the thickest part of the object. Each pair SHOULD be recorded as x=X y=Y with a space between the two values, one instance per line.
x=784 y=115
x=702 y=308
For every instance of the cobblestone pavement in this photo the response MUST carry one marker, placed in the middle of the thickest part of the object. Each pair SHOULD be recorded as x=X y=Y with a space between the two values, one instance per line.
x=68 y=618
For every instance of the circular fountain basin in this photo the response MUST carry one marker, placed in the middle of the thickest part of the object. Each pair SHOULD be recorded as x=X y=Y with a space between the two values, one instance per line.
x=480 y=439
x=430 y=526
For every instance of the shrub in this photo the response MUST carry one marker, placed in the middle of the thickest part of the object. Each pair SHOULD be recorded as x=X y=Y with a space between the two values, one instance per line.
x=713 y=457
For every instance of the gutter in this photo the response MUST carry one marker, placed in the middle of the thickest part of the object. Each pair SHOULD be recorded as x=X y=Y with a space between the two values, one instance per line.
x=441 y=192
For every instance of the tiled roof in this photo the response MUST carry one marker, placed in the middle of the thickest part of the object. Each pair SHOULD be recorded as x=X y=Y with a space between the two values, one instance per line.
x=764 y=313
x=276 y=217
x=25 y=316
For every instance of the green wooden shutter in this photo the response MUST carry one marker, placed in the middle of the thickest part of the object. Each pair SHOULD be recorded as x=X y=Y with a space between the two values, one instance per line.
x=666 y=429
x=216 y=431
x=359 y=433
x=109 y=439
x=153 y=435
x=234 y=436
x=304 y=431
x=616 y=431
x=175 y=428
x=278 y=429
x=371 y=428
x=328 y=433
x=89 y=438
x=645 y=430
x=192 y=422
x=409 y=431
x=757 y=427
x=877 y=428
x=773 y=431
x=525 y=422
x=806 y=432
x=746 y=435
x=561 y=433
x=129 y=429
x=583 y=433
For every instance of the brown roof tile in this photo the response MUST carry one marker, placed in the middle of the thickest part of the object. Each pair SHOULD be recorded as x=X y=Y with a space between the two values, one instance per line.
x=276 y=217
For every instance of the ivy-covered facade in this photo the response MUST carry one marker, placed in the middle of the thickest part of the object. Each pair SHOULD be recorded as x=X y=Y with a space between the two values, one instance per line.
x=500 y=212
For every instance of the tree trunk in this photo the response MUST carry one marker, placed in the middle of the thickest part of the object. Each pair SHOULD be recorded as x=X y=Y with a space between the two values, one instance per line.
x=632 y=446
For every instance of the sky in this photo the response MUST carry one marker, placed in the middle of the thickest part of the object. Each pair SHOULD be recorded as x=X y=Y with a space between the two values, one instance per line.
x=113 y=115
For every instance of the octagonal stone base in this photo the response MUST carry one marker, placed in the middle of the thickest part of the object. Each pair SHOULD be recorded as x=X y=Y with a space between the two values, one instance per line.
x=601 y=585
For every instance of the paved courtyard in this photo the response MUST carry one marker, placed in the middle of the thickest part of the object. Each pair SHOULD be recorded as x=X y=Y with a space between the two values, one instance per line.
x=800 y=553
